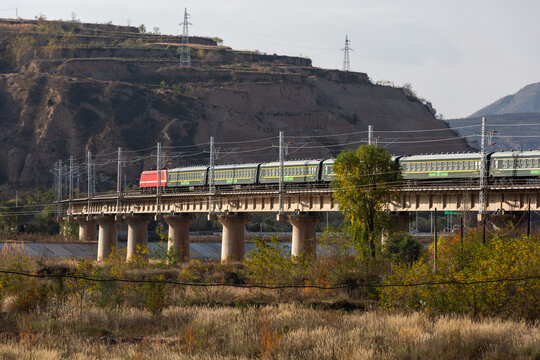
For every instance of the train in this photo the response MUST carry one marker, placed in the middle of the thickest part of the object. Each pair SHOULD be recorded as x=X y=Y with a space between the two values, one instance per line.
x=455 y=166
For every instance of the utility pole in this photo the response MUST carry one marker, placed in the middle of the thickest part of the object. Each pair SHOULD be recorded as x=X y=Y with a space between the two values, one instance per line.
x=461 y=229
x=185 y=51
x=119 y=179
x=78 y=172
x=346 y=60
x=529 y=218
x=211 y=180
x=158 y=176
x=70 y=183
x=435 y=243
x=94 y=178
x=90 y=182
x=60 y=183
x=483 y=180
x=281 y=161
x=370 y=134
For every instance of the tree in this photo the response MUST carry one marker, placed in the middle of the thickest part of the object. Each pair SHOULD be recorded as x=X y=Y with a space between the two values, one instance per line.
x=142 y=28
x=218 y=40
x=366 y=178
x=403 y=247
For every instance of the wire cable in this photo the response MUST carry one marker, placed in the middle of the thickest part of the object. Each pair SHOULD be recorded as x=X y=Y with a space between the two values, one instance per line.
x=268 y=287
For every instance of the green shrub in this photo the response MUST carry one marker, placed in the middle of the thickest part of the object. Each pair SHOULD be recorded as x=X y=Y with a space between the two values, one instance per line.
x=402 y=247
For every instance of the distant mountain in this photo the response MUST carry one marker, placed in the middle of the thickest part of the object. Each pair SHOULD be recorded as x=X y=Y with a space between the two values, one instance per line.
x=513 y=131
x=526 y=100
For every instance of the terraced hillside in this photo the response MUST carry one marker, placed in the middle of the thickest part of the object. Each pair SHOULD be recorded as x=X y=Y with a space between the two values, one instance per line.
x=67 y=88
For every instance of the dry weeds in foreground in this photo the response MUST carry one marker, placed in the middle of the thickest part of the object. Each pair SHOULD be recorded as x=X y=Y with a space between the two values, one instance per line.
x=273 y=332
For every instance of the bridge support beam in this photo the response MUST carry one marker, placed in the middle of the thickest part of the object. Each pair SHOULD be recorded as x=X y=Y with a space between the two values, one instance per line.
x=304 y=237
x=178 y=245
x=108 y=236
x=234 y=236
x=137 y=235
x=87 y=229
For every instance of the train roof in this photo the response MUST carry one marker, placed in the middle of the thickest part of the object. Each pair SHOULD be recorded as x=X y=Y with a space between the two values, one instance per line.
x=506 y=154
x=190 y=168
x=441 y=157
x=237 y=166
x=292 y=163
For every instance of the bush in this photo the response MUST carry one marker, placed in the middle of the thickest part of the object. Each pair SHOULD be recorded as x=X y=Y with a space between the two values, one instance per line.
x=270 y=263
x=403 y=248
x=477 y=263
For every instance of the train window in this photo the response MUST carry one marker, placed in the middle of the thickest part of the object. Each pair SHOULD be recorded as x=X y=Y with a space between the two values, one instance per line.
x=529 y=163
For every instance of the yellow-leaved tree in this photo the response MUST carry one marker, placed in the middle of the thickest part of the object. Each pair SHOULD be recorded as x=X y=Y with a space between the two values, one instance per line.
x=367 y=179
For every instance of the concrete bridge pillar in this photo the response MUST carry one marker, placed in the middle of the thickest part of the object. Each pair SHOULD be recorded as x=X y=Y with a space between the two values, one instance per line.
x=137 y=234
x=304 y=241
x=179 y=235
x=87 y=229
x=234 y=236
x=108 y=236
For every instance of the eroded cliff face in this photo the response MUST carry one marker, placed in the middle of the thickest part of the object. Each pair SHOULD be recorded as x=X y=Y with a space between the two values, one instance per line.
x=75 y=99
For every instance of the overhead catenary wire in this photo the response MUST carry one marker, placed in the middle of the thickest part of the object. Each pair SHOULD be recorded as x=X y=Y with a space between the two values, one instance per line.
x=411 y=131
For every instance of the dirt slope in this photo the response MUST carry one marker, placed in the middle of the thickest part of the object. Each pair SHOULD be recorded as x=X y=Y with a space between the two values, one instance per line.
x=69 y=88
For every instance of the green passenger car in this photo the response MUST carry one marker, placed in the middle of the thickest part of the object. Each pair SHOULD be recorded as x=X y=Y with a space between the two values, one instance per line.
x=436 y=166
x=515 y=163
x=301 y=171
x=240 y=174
x=190 y=176
x=327 y=170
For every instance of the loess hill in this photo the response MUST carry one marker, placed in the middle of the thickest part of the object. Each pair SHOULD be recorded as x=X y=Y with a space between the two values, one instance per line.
x=67 y=88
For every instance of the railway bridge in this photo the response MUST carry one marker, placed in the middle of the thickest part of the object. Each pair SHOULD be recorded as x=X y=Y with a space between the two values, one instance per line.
x=301 y=206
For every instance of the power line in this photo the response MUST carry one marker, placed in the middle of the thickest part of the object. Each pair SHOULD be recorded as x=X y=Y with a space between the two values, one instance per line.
x=268 y=287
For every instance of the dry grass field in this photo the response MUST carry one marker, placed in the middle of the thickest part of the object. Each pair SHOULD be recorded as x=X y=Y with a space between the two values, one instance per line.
x=340 y=306
x=286 y=331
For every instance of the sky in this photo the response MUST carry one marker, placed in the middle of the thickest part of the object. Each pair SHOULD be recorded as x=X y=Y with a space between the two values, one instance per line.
x=459 y=54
